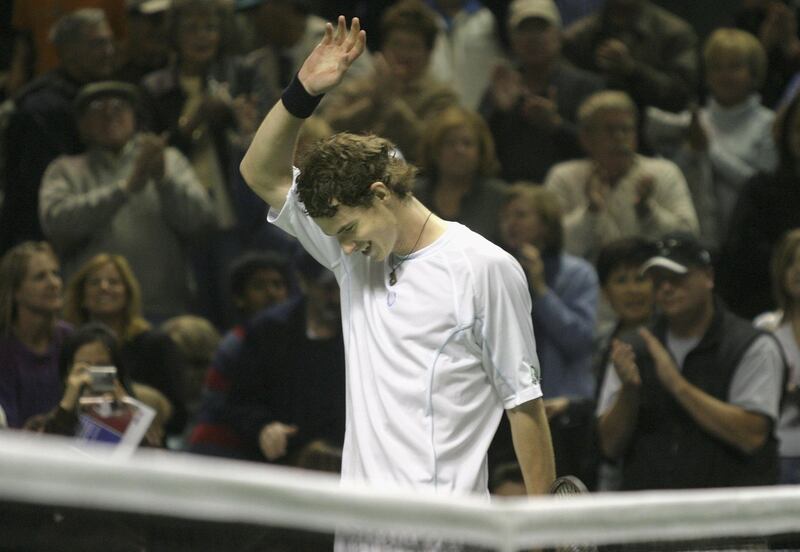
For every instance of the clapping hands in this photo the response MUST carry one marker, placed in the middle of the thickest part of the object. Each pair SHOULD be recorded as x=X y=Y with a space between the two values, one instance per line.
x=506 y=87
x=597 y=188
x=149 y=163
x=531 y=259
x=613 y=56
x=624 y=361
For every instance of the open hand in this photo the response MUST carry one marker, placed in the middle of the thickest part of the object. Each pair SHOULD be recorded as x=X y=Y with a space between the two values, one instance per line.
x=331 y=58
x=274 y=439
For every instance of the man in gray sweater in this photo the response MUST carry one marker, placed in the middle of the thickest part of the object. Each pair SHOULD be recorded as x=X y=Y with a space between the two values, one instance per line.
x=128 y=194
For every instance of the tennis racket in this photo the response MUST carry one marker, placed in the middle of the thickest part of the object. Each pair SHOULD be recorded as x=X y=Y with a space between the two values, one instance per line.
x=567 y=485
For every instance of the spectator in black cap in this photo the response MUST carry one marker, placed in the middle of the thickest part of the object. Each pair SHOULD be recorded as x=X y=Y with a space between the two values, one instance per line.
x=693 y=399
x=129 y=195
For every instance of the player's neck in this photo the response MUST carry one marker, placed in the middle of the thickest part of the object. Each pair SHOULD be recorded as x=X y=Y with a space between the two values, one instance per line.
x=418 y=227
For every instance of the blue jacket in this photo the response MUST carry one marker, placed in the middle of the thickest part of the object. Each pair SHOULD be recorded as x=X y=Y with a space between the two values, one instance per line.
x=563 y=322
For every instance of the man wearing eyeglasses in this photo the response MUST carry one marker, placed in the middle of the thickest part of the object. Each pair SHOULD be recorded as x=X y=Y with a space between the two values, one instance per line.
x=693 y=399
x=615 y=192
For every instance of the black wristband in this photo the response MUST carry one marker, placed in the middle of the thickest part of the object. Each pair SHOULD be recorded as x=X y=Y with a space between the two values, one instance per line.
x=298 y=101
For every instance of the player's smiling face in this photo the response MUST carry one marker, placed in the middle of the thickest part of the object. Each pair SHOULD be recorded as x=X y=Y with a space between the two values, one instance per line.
x=370 y=231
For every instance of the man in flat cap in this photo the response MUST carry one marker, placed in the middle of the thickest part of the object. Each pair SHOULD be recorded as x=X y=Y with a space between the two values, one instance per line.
x=128 y=194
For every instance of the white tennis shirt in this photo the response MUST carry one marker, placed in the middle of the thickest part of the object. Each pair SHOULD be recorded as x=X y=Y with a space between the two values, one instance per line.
x=431 y=361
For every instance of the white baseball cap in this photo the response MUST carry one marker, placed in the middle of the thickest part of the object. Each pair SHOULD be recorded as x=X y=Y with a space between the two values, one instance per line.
x=519 y=10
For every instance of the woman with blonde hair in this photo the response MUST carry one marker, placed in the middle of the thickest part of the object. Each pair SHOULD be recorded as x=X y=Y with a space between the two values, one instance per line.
x=104 y=289
x=728 y=140
x=458 y=163
x=785 y=324
x=31 y=333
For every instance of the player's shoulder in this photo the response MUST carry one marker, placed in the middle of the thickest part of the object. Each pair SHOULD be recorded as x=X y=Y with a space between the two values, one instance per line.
x=481 y=254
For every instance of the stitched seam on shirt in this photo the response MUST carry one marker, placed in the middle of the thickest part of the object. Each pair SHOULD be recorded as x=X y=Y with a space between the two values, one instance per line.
x=429 y=410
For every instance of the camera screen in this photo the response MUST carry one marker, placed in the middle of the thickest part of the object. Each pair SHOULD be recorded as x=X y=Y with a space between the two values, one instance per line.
x=103 y=377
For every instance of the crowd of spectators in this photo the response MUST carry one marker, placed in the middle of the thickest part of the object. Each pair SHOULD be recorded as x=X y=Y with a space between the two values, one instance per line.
x=643 y=171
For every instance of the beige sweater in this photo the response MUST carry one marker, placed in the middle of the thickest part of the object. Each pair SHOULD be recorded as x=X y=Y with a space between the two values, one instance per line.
x=585 y=232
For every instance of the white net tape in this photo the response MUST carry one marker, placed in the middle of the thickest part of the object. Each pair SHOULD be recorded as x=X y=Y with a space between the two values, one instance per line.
x=51 y=471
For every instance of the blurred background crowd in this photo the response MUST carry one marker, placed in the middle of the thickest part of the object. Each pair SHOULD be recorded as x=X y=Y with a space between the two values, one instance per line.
x=576 y=134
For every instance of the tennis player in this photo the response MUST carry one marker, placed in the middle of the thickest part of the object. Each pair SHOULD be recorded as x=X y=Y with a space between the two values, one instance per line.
x=436 y=319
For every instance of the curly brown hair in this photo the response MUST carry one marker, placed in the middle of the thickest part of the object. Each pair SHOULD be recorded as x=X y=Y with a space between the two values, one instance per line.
x=342 y=168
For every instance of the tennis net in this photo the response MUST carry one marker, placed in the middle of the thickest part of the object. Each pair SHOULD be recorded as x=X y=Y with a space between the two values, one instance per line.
x=54 y=496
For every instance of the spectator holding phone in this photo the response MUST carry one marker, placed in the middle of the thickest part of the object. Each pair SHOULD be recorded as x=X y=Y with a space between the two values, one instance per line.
x=91 y=366
x=90 y=347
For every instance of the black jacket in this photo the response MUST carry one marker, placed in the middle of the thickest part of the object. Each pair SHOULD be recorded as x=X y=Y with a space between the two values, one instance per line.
x=668 y=449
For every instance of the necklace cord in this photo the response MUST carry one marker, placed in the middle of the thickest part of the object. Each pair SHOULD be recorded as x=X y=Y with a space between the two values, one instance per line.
x=393 y=273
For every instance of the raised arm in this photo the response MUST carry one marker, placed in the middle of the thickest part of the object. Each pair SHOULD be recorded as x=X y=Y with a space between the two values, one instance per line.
x=267 y=165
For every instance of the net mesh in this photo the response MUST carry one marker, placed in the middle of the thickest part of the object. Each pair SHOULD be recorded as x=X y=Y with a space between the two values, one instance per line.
x=55 y=497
